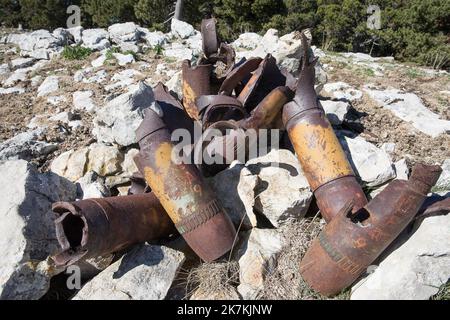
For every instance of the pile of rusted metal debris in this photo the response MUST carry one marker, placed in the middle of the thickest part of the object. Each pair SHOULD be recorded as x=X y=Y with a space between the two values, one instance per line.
x=168 y=197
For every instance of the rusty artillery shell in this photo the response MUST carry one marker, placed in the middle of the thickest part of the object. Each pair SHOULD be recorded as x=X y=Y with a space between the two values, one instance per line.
x=210 y=43
x=266 y=78
x=215 y=108
x=319 y=151
x=196 y=82
x=94 y=227
x=241 y=73
x=265 y=114
x=351 y=242
x=191 y=205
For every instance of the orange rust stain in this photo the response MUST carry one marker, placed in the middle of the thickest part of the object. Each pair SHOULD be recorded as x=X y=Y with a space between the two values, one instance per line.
x=163 y=157
x=320 y=153
x=156 y=182
x=189 y=97
x=245 y=93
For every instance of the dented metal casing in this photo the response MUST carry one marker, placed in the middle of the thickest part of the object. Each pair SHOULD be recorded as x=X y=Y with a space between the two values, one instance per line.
x=196 y=82
x=319 y=151
x=188 y=201
x=352 y=241
x=95 y=227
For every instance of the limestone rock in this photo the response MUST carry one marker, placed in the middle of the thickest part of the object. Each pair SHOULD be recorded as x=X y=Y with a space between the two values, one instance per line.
x=117 y=121
x=144 y=273
x=257 y=259
x=416 y=269
x=25 y=146
x=27 y=228
x=50 y=84
x=181 y=29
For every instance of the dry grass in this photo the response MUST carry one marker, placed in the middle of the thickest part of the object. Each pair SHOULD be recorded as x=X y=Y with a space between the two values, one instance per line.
x=443 y=294
x=285 y=282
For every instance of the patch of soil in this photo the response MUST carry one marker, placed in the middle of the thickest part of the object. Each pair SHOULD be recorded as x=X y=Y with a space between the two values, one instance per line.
x=378 y=125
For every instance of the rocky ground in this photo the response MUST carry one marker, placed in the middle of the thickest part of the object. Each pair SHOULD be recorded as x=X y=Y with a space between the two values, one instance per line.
x=67 y=132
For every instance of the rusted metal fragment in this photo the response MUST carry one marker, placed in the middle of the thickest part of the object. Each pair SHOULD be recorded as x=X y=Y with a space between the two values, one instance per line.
x=265 y=115
x=440 y=207
x=94 y=227
x=239 y=75
x=265 y=79
x=174 y=114
x=138 y=184
x=196 y=83
x=210 y=41
x=318 y=149
x=352 y=241
x=180 y=187
x=214 y=108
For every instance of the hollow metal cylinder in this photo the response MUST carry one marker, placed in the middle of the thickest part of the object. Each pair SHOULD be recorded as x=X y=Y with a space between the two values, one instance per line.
x=196 y=82
x=352 y=241
x=319 y=151
x=191 y=205
x=95 y=227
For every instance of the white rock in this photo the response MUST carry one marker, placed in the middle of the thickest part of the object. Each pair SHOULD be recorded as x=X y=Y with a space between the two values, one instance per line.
x=27 y=228
x=76 y=33
x=82 y=100
x=124 y=59
x=22 y=62
x=389 y=148
x=96 y=39
x=401 y=169
x=50 y=84
x=56 y=100
x=25 y=146
x=416 y=269
x=156 y=38
x=181 y=29
x=71 y=164
x=175 y=84
x=36 y=81
x=145 y=273
x=124 y=32
x=409 y=107
x=178 y=52
x=39 y=44
x=104 y=160
x=4 y=69
x=247 y=41
x=370 y=163
x=17 y=76
x=12 y=90
x=98 y=77
x=124 y=79
x=342 y=90
x=92 y=186
x=257 y=259
x=99 y=61
x=237 y=194
x=285 y=191
x=443 y=183
x=335 y=110
x=117 y=121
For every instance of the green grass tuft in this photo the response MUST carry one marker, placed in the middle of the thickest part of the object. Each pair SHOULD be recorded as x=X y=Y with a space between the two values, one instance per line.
x=76 y=53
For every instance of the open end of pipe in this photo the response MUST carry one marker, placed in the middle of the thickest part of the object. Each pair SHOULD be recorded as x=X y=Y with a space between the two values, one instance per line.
x=73 y=229
x=71 y=232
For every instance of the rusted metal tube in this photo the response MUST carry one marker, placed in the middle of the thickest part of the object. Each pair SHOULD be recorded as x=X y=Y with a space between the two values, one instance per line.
x=191 y=205
x=319 y=151
x=215 y=108
x=268 y=110
x=94 y=227
x=266 y=78
x=352 y=241
x=210 y=43
x=196 y=82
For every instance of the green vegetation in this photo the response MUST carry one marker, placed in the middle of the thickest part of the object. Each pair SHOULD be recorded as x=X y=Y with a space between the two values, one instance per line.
x=76 y=53
x=414 y=30
x=110 y=52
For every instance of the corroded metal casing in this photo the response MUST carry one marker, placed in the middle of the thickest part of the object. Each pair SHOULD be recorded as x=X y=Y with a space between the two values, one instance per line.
x=196 y=82
x=351 y=242
x=94 y=227
x=319 y=151
x=191 y=205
